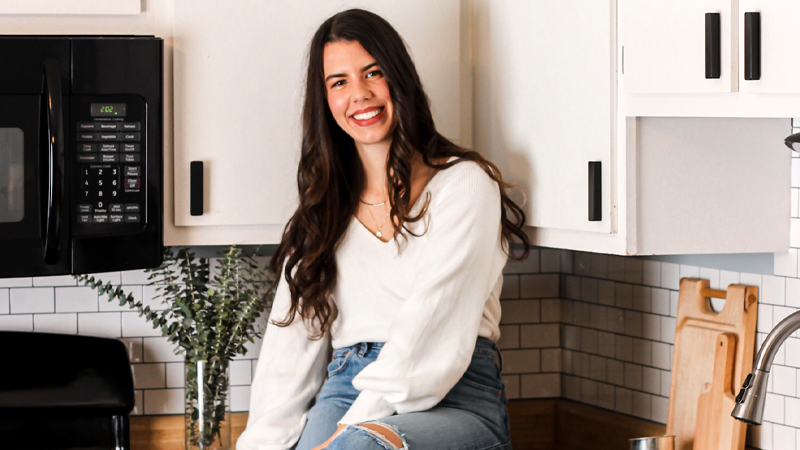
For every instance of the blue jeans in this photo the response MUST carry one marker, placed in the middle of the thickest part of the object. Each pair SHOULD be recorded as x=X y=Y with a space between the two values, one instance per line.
x=472 y=416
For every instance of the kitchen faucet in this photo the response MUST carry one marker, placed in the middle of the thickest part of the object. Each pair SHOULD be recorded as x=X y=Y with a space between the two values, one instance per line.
x=750 y=401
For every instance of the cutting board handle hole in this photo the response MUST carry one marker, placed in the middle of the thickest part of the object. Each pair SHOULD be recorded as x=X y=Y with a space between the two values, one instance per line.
x=716 y=304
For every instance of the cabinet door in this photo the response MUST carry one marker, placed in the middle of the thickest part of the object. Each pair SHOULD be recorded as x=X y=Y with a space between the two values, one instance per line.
x=544 y=102
x=663 y=46
x=780 y=33
x=239 y=78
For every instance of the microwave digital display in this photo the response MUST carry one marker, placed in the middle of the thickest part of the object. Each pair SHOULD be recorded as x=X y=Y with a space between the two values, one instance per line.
x=108 y=109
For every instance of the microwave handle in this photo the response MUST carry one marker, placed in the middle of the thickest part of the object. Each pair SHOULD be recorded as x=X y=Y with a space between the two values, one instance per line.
x=54 y=120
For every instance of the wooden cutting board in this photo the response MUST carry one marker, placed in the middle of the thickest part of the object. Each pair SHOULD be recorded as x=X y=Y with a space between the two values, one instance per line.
x=713 y=354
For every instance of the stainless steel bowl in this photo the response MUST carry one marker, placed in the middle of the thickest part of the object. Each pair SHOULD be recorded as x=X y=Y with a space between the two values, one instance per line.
x=653 y=443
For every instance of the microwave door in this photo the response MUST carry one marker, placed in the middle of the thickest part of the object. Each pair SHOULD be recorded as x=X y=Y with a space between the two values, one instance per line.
x=31 y=187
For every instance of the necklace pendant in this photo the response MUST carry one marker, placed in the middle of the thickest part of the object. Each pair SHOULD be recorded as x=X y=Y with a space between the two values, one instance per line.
x=378 y=233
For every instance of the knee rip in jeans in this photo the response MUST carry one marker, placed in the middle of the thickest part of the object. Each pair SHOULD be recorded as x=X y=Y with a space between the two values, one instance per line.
x=386 y=436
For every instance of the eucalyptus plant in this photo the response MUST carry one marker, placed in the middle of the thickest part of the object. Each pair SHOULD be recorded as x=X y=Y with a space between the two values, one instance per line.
x=209 y=318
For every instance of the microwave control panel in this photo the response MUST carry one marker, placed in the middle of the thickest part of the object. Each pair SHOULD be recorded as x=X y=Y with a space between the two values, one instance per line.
x=108 y=164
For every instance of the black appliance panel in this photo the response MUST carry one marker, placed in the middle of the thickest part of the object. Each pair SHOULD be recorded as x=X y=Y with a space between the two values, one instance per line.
x=22 y=58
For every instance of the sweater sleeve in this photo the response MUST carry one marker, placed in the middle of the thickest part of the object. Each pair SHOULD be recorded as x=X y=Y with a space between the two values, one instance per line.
x=432 y=337
x=289 y=373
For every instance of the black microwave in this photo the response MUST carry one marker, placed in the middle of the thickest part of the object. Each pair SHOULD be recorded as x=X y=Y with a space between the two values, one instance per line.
x=81 y=172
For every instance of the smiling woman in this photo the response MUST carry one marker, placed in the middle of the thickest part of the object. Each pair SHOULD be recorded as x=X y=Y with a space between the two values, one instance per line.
x=383 y=328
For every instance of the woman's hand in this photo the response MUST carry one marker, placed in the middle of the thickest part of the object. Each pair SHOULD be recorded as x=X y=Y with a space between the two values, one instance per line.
x=335 y=433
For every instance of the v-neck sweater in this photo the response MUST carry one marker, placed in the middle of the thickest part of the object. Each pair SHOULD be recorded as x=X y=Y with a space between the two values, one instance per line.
x=427 y=300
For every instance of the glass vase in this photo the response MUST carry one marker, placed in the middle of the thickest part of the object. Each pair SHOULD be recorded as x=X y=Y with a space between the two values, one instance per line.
x=208 y=415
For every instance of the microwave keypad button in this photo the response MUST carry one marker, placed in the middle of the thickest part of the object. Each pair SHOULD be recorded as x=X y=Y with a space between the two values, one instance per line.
x=116 y=218
x=132 y=184
x=136 y=137
x=87 y=148
x=90 y=158
x=87 y=126
x=84 y=208
x=116 y=208
x=107 y=126
x=132 y=218
x=100 y=218
x=82 y=137
x=131 y=126
x=107 y=136
x=101 y=207
x=132 y=208
x=130 y=147
x=84 y=218
x=131 y=157
x=106 y=147
x=109 y=157
x=133 y=171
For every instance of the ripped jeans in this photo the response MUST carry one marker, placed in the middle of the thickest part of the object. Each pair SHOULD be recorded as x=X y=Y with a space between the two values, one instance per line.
x=472 y=416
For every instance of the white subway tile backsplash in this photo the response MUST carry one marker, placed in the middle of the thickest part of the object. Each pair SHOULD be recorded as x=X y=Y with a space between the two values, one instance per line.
x=633 y=270
x=624 y=348
x=673 y=303
x=108 y=277
x=623 y=296
x=159 y=349
x=4 y=304
x=55 y=323
x=597 y=368
x=662 y=355
x=240 y=372
x=589 y=341
x=134 y=347
x=605 y=396
x=572 y=387
x=792 y=411
x=528 y=265
x=16 y=282
x=795 y=173
x=59 y=280
x=551 y=260
x=572 y=337
x=616 y=372
x=599 y=265
x=784 y=438
x=760 y=437
x=642 y=353
x=545 y=385
x=785 y=380
x=163 y=401
x=76 y=299
x=551 y=310
x=606 y=345
x=588 y=290
x=651 y=273
x=616 y=268
x=668 y=329
x=32 y=300
x=642 y=298
x=786 y=265
x=521 y=361
x=99 y=324
x=540 y=336
x=633 y=323
x=520 y=311
x=138 y=403
x=651 y=326
x=129 y=277
x=666 y=380
x=552 y=360
x=572 y=287
x=751 y=279
x=240 y=398
x=135 y=325
x=764 y=320
x=792 y=292
x=780 y=312
x=792 y=352
x=509 y=337
x=660 y=301
x=687 y=271
x=510 y=287
x=642 y=406
x=624 y=400
x=512 y=386
x=149 y=376
x=773 y=291
x=580 y=364
x=712 y=275
x=16 y=322
x=589 y=391
x=633 y=376
x=660 y=407
x=176 y=375
x=605 y=292
x=795 y=211
x=774 y=408
x=582 y=263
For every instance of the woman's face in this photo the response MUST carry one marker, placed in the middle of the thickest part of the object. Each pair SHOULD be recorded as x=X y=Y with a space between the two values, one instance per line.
x=358 y=95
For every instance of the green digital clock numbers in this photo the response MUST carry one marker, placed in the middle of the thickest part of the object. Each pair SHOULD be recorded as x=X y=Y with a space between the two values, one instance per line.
x=108 y=109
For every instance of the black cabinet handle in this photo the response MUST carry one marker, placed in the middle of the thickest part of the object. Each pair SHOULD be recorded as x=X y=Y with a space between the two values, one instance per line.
x=595 y=192
x=713 y=58
x=752 y=46
x=196 y=188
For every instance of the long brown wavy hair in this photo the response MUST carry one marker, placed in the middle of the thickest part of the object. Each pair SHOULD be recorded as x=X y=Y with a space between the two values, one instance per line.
x=330 y=177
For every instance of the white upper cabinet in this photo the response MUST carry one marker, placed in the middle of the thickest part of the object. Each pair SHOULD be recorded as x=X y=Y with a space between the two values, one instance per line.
x=666 y=46
x=545 y=103
x=239 y=74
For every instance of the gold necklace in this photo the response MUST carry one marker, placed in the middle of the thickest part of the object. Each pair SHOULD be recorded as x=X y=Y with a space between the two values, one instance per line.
x=378 y=233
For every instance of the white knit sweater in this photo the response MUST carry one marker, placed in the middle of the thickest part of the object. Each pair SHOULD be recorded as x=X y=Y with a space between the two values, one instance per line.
x=428 y=301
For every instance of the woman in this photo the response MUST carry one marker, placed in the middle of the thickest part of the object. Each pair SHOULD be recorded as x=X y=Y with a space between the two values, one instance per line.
x=393 y=261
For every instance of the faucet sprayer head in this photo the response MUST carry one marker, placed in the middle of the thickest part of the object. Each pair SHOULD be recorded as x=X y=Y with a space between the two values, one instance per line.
x=750 y=401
